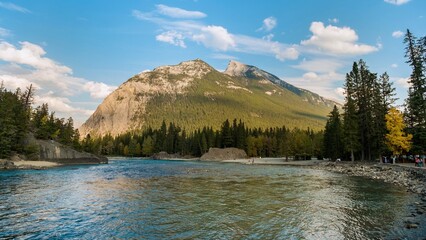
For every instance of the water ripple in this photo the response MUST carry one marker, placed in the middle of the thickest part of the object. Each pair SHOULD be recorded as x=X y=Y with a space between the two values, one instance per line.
x=190 y=200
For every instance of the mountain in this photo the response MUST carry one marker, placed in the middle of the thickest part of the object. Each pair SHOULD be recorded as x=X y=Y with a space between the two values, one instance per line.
x=193 y=94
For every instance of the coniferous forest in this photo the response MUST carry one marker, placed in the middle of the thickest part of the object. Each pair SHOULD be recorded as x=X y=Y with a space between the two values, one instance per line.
x=20 y=123
x=257 y=142
x=369 y=126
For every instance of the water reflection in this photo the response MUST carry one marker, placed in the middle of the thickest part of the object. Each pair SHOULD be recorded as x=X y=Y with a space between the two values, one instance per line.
x=148 y=199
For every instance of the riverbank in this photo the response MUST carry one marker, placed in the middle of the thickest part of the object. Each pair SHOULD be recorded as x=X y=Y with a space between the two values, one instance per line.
x=7 y=164
x=22 y=164
x=274 y=161
x=35 y=164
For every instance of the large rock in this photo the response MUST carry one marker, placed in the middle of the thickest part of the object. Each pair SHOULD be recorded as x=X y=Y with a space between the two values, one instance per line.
x=7 y=164
x=55 y=152
x=220 y=154
x=165 y=156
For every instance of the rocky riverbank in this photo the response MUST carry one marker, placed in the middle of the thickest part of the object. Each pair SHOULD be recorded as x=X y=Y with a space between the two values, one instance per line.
x=50 y=154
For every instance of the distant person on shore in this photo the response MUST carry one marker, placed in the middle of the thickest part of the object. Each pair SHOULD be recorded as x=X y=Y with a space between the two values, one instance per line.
x=418 y=161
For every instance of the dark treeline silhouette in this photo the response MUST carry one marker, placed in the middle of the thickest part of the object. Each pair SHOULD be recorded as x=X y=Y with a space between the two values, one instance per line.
x=257 y=142
x=20 y=123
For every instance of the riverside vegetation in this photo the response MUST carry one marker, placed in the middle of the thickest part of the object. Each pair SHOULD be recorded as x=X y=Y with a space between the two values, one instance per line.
x=20 y=123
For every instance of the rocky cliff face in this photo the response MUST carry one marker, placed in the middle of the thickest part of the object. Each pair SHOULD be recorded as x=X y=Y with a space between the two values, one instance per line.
x=193 y=94
x=123 y=109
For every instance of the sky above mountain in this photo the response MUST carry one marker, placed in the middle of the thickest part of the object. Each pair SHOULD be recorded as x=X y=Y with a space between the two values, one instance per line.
x=76 y=52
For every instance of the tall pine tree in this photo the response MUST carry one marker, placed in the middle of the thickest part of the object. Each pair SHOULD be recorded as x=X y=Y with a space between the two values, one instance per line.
x=333 y=136
x=415 y=112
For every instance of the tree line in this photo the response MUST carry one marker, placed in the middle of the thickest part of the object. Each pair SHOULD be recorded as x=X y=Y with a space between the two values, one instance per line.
x=20 y=123
x=257 y=142
x=370 y=125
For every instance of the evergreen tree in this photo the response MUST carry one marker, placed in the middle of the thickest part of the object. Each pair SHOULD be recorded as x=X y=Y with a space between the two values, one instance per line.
x=134 y=148
x=226 y=139
x=415 y=111
x=383 y=99
x=203 y=144
x=7 y=123
x=366 y=102
x=333 y=136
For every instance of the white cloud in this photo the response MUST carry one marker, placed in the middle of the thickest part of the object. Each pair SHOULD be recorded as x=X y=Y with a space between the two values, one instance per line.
x=215 y=37
x=179 y=12
x=397 y=34
x=320 y=65
x=397 y=2
x=31 y=55
x=223 y=56
x=268 y=24
x=310 y=76
x=334 y=40
x=172 y=37
x=13 y=82
x=340 y=92
x=323 y=84
x=98 y=90
x=253 y=45
x=403 y=82
x=283 y=53
x=13 y=7
x=54 y=82
x=268 y=37
x=333 y=20
x=394 y=65
x=171 y=25
x=4 y=32
x=60 y=105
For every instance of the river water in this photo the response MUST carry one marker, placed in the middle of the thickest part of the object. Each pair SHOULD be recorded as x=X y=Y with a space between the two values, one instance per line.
x=146 y=199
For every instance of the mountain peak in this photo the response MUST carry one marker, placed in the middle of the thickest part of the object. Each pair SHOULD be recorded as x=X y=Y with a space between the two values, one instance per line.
x=237 y=69
x=193 y=68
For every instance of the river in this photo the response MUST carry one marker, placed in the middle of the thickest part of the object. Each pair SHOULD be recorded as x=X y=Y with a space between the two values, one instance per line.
x=147 y=199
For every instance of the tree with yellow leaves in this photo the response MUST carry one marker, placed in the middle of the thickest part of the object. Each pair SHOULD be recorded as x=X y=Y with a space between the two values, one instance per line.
x=396 y=140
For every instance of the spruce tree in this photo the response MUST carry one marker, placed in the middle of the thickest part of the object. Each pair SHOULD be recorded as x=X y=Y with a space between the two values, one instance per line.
x=415 y=111
x=227 y=139
x=333 y=136
x=350 y=116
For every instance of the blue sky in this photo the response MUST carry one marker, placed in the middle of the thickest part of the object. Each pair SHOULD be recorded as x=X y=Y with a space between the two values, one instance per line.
x=76 y=52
